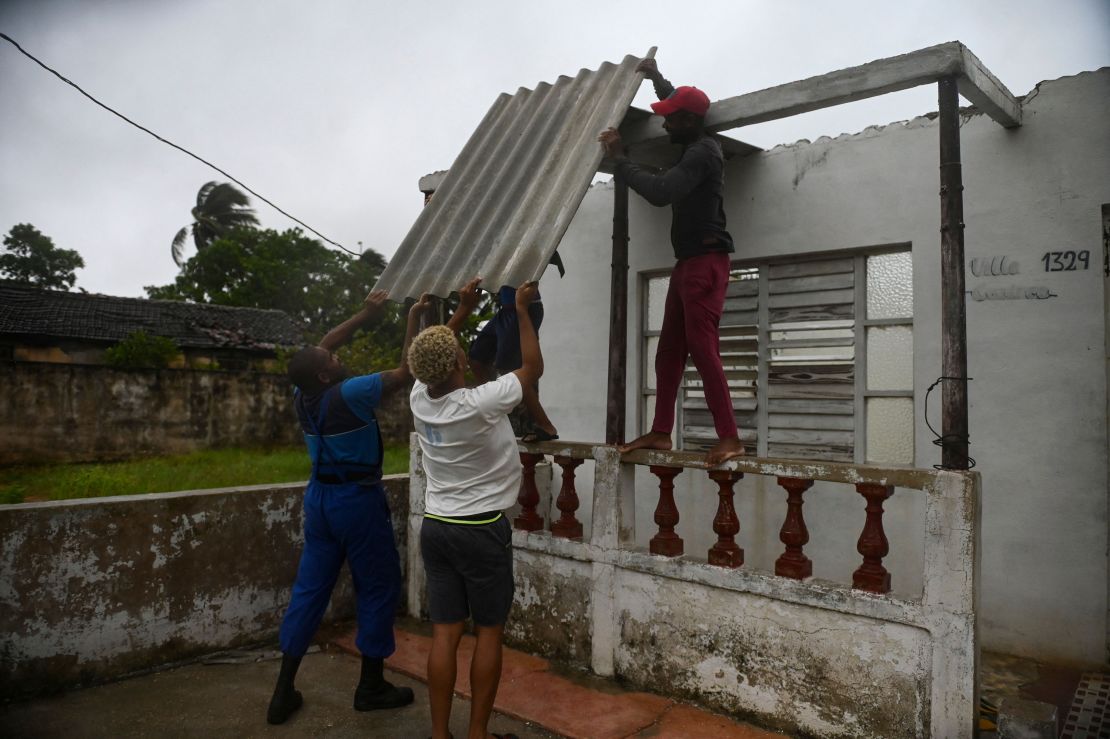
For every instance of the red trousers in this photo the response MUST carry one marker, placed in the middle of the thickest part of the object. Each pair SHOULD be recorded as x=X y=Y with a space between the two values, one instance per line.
x=691 y=328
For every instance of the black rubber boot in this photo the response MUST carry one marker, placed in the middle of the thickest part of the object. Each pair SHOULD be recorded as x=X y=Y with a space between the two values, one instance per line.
x=286 y=699
x=374 y=692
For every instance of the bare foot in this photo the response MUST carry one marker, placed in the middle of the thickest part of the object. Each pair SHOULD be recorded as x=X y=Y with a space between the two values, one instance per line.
x=650 y=440
x=725 y=450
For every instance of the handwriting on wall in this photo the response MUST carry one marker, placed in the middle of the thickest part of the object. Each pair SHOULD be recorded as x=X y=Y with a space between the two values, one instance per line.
x=994 y=266
x=1008 y=266
x=1066 y=261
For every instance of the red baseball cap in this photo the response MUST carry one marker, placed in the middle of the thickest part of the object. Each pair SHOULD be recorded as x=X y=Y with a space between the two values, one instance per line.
x=683 y=98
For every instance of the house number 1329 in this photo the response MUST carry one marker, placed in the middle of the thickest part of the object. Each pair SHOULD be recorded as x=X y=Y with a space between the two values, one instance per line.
x=1066 y=261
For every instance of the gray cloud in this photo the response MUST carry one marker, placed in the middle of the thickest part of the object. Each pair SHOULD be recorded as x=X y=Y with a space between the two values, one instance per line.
x=334 y=110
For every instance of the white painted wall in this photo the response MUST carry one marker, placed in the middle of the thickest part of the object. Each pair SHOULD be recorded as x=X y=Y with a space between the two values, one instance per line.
x=1038 y=415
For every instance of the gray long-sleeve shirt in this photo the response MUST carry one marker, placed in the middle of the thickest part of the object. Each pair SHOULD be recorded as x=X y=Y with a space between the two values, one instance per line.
x=692 y=187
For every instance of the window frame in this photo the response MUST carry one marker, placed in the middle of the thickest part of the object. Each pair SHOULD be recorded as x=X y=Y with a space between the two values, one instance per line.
x=860 y=327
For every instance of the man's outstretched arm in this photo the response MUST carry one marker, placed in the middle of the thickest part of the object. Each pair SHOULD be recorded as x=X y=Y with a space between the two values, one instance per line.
x=396 y=379
x=650 y=69
x=469 y=297
x=531 y=367
x=658 y=189
x=371 y=308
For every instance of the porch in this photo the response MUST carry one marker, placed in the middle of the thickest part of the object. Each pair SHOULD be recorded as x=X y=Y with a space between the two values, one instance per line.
x=793 y=652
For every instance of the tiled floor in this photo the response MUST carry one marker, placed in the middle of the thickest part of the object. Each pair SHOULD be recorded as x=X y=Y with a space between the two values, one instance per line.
x=1082 y=699
x=1088 y=717
x=585 y=708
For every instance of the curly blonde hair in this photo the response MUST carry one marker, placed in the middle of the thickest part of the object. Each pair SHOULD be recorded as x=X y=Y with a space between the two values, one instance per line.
x=433 y=355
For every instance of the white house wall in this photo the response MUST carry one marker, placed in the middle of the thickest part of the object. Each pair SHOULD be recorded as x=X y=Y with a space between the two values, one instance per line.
x=1038 y=419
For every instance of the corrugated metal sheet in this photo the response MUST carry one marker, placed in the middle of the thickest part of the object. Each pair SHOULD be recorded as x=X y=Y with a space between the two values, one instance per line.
x=511 y=193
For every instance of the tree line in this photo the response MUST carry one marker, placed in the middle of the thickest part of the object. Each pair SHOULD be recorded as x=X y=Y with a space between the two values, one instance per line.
x=236 y=263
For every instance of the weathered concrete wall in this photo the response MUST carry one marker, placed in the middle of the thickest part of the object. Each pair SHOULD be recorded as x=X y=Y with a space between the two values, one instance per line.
x=551 y=609
x=86 y=413
x=94 y=589
x=1038 y=401
x=79 y=413
x=748 y=654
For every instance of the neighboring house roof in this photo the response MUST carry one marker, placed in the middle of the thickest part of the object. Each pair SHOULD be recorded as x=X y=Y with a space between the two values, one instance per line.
x=36 y=312
x=505 y=203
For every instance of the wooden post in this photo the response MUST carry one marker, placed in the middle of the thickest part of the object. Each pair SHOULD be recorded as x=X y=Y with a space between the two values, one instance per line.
x=953 y=318
x=726 y=553
x=666 y=541
x=618 y=317
x=871 y=575
x=529 y=496
x=794 y=534
x=568 y=526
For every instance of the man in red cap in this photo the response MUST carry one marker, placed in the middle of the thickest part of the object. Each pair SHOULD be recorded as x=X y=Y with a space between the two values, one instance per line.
x=696 y=296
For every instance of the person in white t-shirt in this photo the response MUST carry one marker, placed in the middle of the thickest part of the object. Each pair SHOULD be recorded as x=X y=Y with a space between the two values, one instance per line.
x=473 y=473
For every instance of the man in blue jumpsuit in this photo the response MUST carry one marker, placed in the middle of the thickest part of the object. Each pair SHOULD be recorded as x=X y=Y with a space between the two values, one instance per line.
x=346 y=515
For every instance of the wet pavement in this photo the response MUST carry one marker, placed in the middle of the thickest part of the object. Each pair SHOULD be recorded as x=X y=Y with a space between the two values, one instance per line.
x=227 y=696
x=229 y=700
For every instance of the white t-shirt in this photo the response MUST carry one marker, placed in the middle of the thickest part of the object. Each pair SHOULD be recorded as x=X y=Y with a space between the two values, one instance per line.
x=470 y=452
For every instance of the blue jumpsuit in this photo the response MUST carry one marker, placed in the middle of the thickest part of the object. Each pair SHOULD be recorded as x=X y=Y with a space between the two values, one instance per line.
x=346 y=517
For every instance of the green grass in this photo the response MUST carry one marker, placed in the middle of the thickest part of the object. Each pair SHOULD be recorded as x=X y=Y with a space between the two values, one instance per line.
x=215 y=468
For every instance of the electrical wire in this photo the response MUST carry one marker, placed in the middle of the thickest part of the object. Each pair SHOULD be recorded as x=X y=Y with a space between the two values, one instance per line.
x=182 y=149
x=946 y=439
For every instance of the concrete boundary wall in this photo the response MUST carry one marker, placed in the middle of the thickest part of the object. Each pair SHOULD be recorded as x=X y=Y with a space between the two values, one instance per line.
x=89 y=413
x=94 y=589
x=809 y=656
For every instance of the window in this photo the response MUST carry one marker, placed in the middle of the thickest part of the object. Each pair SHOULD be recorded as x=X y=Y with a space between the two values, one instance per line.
x=818 y=354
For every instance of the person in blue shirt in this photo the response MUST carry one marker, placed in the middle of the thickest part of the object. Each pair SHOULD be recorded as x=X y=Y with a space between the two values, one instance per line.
x=346 y=515
x=495 y=351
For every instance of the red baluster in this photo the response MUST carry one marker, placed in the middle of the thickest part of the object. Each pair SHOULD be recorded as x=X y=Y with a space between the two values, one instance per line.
x=666 y=541
x=871 y=575
x=726 y=525
x=567 y=526
x=529 y=496
x=793 y=563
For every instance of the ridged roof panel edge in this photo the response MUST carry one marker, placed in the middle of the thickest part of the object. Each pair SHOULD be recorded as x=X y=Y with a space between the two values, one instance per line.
x=511 y=193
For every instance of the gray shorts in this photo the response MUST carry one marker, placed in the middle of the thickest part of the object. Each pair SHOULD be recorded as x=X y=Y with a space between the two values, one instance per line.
x=469 y=570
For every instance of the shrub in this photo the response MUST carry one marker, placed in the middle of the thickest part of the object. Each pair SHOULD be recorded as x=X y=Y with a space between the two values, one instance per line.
x=141 y=350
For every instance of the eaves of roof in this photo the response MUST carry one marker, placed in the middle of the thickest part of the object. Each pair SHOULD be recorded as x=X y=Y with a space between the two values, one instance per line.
x=34 y=312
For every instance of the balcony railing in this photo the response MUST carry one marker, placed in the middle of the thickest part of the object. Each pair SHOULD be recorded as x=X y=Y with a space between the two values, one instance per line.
x=945 y=610
x=875 y=484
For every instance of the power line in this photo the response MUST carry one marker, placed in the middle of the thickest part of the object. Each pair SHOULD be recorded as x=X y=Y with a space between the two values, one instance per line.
x=182 y=149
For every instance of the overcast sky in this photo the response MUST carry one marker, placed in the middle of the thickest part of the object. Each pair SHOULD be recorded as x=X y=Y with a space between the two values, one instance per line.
x=334 y=109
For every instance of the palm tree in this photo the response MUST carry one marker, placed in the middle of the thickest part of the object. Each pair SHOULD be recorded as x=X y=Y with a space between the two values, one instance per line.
x=220 y=208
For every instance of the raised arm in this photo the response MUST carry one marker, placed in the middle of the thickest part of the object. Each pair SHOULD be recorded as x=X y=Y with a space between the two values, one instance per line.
x=469 y=297
x=531 y=367
x=650 y=69
x=341 y=334
x=396 y=379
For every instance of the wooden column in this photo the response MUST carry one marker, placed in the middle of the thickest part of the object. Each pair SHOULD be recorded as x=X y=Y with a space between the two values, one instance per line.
x=666 y=541
x=953 y=318
x=568 y=526
x=618 y=318
x=726 y=553
x=873 y=545
x=529 y=496
x=794 y=534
